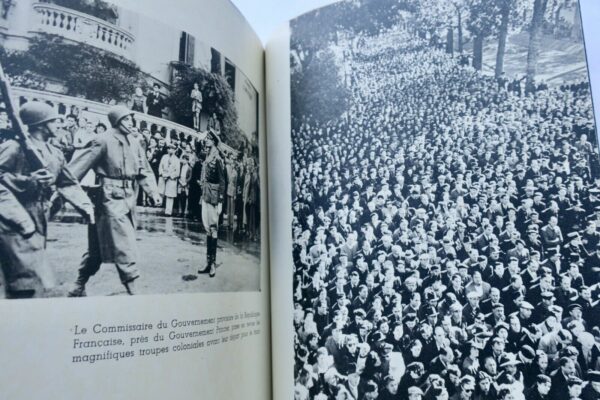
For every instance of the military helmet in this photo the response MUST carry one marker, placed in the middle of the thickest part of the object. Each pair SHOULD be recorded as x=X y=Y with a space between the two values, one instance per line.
x=117 y=113
x=35 y=113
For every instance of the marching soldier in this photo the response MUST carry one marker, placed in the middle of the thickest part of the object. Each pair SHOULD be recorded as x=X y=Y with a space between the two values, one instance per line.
x=213 y=191
x=25 y=193
x=121 y=166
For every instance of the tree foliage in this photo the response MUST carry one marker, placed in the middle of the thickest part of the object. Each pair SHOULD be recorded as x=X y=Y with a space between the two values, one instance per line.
x=317 y=90
x=83 y=70
x=217 y=98
x=320 y=27
x=97 y=8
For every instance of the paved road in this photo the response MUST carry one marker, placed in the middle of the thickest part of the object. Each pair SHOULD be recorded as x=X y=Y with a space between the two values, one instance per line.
x=169 y=248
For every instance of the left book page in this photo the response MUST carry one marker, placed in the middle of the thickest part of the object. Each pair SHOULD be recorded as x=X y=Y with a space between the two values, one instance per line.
x=133 y=231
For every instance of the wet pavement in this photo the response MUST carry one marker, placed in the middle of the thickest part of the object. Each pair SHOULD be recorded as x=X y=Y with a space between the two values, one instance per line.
x=171 y=250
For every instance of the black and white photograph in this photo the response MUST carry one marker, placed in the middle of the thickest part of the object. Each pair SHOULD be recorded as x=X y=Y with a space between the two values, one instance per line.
x=129 y=156
x=446 y=202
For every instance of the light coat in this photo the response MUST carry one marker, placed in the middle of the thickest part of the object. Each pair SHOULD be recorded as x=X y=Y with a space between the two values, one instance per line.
x=122 y=166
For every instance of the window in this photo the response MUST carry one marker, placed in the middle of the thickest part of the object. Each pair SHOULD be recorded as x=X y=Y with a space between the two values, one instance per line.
x=186 y=48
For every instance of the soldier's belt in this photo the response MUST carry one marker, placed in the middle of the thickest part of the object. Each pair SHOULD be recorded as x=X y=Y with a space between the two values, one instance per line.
x=125 y=182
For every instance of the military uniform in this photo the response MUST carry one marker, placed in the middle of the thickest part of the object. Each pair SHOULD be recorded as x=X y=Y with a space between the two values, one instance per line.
x=121 y=165
x=213 y=182
x=25 y=212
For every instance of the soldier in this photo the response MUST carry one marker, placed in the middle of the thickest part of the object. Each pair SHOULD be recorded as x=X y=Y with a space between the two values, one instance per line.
x=121 y=166
x=213 y=192
x=25 y=194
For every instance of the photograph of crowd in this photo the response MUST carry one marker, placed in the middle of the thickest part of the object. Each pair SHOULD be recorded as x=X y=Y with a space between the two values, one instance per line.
x=446 y=202
x=147 y=136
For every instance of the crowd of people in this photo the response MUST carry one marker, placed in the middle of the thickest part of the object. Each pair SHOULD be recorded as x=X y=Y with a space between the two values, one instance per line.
x=177 y=165
x=446 y=235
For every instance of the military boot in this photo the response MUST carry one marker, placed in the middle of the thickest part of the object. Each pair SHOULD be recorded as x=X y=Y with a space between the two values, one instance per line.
x=79 y=288
x=130 y=287
x=207 y=267
x=213 y=266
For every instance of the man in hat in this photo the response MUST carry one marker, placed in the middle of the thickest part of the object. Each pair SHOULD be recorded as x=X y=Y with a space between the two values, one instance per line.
x=213 y=191
x=415 y=393
x=24 y=194
x=121 y=167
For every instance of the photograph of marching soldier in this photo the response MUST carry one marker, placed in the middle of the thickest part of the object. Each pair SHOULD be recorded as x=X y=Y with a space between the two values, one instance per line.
x=32 y=171
x=132 y=122
x=446 y=202
x=121 y=168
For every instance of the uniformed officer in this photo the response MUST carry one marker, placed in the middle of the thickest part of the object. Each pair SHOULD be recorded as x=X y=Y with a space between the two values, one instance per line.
x=24 y=197
x=213 y=191
x=121 y=166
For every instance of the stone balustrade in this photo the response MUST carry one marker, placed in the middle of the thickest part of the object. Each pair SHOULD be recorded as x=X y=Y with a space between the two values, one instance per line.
x=73 y=25
x=97 y=112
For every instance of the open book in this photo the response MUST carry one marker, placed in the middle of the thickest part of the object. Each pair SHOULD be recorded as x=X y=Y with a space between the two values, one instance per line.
x=395 y=199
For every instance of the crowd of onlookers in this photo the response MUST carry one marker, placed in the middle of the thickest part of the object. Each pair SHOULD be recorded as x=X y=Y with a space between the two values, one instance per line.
x=446 y=235
x=177 y=165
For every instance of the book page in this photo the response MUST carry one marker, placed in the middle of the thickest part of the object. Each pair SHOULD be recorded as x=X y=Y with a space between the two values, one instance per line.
x=436 y=211
x=133 y=217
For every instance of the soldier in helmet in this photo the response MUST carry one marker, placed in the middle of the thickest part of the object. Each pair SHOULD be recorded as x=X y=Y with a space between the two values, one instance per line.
x=25 y=193
x=213 y=191
x=121 y=165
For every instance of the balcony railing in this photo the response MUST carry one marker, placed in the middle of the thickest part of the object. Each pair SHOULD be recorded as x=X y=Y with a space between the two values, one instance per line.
x=97 y=112
x=73 y=25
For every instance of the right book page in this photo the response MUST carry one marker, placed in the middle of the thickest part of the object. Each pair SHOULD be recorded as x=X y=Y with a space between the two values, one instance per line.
x=434 y=201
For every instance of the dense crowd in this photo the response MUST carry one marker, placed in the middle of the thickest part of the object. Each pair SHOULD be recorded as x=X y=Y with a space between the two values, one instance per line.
x=446 y=239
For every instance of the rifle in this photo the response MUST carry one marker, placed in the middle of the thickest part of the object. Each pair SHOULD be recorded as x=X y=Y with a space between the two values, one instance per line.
x=33 y=158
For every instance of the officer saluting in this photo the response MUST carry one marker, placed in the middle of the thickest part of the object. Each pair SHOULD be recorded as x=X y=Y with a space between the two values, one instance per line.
x=212 y=182
x=121 y=165
x=25 y=192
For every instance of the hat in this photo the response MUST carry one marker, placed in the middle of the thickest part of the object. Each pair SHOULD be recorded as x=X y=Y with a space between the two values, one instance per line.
x=415 y=390
x=594 y=376
x=509 y=359
x=574 y=306
x=36 y=112
x=527 y=352
x=361 y=312
x=431 y=311
x=476 y=344
x=573 y=380
x=527 y=305
x=410 y=317
x=467 y=380
x=117 y=113
x=415 y=366
x=387 y=348
x=548 y=295
x=498 y=339
x=501 y=325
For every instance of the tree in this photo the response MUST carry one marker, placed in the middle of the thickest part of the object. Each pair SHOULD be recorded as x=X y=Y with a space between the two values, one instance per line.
x=483 y=22
x=432 y=16
x=83 y=70
x=318 y=91
x=511 y=12
x=535 y=33
x=460 y=8
x=217 y=97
